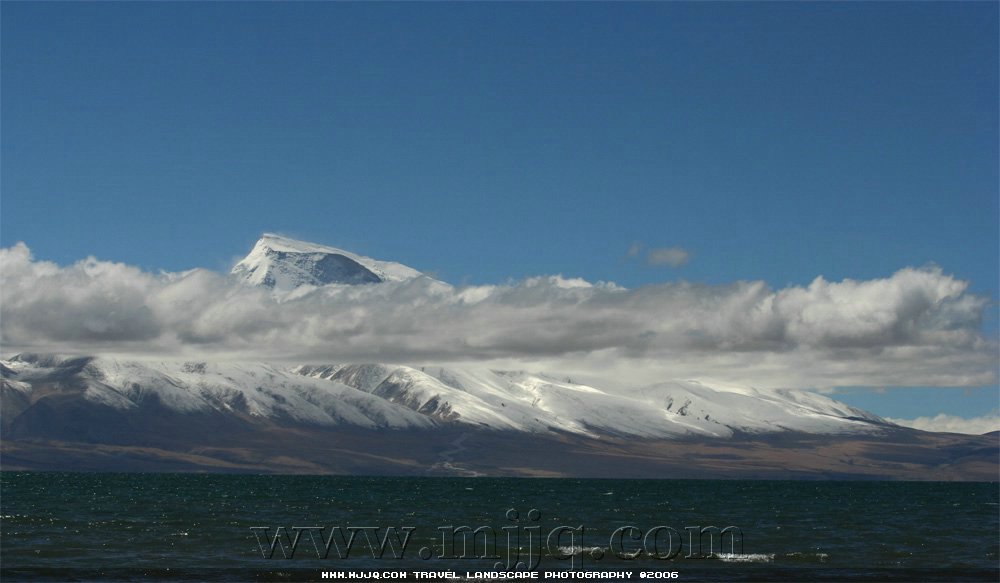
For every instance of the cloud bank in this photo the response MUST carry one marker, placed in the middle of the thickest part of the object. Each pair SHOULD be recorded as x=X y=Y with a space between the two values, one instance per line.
x=918 y=327
x=953 y=424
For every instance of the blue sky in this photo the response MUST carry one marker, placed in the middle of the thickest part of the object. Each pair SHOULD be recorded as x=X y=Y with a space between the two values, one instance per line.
x=489 y=141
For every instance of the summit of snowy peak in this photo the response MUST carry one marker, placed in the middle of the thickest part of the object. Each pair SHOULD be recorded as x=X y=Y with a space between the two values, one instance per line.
x=283 y=264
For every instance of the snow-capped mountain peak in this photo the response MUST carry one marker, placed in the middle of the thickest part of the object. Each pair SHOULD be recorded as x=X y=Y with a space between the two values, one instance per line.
x=283 y=264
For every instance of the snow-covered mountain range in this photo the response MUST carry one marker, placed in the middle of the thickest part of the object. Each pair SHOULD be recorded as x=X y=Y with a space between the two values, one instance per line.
x=393 y=396
x=113 y=413
x=385 y=396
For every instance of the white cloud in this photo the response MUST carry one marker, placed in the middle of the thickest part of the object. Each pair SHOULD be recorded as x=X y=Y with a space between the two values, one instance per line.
x=918 y=327
x=953 y=424
x=671 y=256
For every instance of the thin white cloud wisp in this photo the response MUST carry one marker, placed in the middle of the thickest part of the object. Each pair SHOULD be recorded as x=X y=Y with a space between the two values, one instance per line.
x=669 y=256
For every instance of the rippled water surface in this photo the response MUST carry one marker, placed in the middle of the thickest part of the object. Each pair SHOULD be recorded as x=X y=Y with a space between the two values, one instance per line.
x=196 y=526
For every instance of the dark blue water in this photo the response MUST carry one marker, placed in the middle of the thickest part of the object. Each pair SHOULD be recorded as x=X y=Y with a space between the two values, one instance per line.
x=201 y=527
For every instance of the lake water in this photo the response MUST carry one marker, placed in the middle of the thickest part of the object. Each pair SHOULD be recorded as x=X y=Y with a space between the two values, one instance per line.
x=65 y=526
